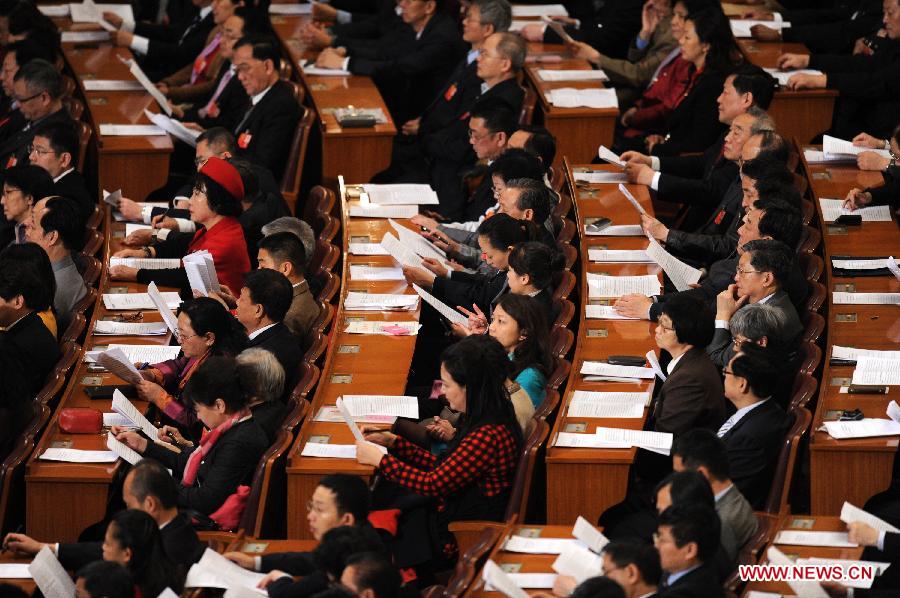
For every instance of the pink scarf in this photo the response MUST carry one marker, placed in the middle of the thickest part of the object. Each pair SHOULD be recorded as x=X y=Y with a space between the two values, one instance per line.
x=206 y=443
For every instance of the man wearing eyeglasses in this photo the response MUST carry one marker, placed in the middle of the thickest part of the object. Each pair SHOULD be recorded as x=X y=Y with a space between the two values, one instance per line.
x=37 y=89
x=55 y=149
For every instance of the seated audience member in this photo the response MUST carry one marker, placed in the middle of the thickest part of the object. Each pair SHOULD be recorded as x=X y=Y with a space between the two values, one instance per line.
x=607 y=27
x=205 y=329
x=56 y=226
x=339 y=500
x=473 y=479
x=17 y=54
x=23 y=186
x=55 y=149
x=886 y=194
x=265 y=131
x=752 y=435
x=873 y=160
x=215 y=205
x=371 y=575
x=162 y=49
x=262 y=378
x=103 y=579
x=37 y=89
x=298 y=228
x=35 y=258
x=881 y=546
x=763 y=325
x=133 y=539
x=26 y=22
x=148 y=487
x=598 y=587
x=226 y=457
x=24 y=336
x=284 y=252
x=708 y=45
x=691 y=396
x=700 y=450
x=687 y=540
x=350 y=23
x=762 y=271
x=633 y=566
x=648 y=50
x=409 y=64
x=261 y=307
x=834 y=29
x=518 y=323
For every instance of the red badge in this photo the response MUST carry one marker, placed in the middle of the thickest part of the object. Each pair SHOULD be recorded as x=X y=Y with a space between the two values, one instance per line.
x=719 y=217
x=244 y=140
x=464 y=116
x=11 y=162
x=451 y=91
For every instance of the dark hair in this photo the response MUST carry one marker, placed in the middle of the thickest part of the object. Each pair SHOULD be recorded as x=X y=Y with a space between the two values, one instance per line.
x=755 y=364
x=514 y=48
x=702 y=448
x=30 y=180
x=374 y=571
x=106 y=579
x=598 y=587
x=208 y=315
x=713 y=28
x=219 y=199
x=20 y=278
x=254 y=24
x=216 y=378
x=755 y=81
x=694 y=523
x=26 y=18
x=537 y=261
x=219 y=136
x=767 y=169
x=541 y=143
x=285 y=247
x=643 y=556
x=767 y=255
x=688 y=487
x=27 y=50
x=64 y=216
x=151 y=568
x=692 y=319
x=773 y=146
x=503 y=231
x=263 y=48
x=780 y=221
x=480 y=364
x=532 y=321
x=515 y=163
x=535 y=196
x=497 y=116
x=37 y=263
x=340 y=542
x=351 y=495
x=40 y=76
x=774 y=190
x=249 y=179
x=150 y=478
x=63 y=137
x=272 y=290
x=494 y=12
x=693 y=6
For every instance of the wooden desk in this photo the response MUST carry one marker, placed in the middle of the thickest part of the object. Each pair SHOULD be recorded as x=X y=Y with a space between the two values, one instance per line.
x=861 y=467
x=355 y=364
x=802 y=522
x=588 y=481
x=357 y=154
x=51 y=485
x=798 y=114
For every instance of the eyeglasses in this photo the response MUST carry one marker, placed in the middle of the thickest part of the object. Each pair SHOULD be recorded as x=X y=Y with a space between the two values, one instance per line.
x=727 y=372
x=28 y=99
x=311 y=506
x=740 y=271
x=33 y=149
x=666 y=328
x=183 y=337
x=476 y=137
x=659 y=539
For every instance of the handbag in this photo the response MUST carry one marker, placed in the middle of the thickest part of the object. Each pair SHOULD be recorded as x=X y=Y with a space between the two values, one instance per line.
x=80 y=420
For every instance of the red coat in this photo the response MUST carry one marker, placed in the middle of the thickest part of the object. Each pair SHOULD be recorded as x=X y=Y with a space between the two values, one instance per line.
x=225 y=242
x=662 y=97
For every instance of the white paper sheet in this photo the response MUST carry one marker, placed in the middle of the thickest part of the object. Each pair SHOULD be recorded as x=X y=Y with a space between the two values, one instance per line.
x=133 y=227
x=330 y=413
x=107 y=327
x=606 y=409
x=617 y=230
x=741 y=27
x=575 y=440
x=112 y=130
x=609 y=156
x=852 y=354
x=50 y=576
x=201 y=272
x=146 y=263
x=539 y=10
x=589 y=535
x=89 y=12
x=496 y=578
x=332 y=451
x=853 y=514
x=818 y=157
x=537 y=545
x=653 y=360
x=569 y=97
x=163 y=305
x=317 y=71
x=111 y=85
x=174 y=127
x=401 y=194
x=600 y=285
x=601 y=177
x=367 y=249
x=833 y=146
x=399 y=406
x=619 y=255
x=417 y=242
x=118 y=363
x=386 y=328
x=865 y=428
x=531 y=581
x=124 y=407
x=84 y=37
x=813 y=538
x=632 y=200
x=400 y=252
x=61 y=10
x=658 y=442
x=117 y=419
x=138 y=73
x=875 y=370
x=445 y=310
x=844 y=298
x=590 y=396
x=378 y=211
x=572 y=75
x=806 y=589
x=832 y=209
x=215 y=571
x=681 y=274
x=78 y=456
x=122 y=450
x=359 y=272
x=783 y=76
x=860 y=264
x=14 y=571
x=599 y=368
x=139 y=353
x=348 y=419
x=356 y=301
x=578 y=562
x=604 y=312
x=290 y=9
x=893 y=267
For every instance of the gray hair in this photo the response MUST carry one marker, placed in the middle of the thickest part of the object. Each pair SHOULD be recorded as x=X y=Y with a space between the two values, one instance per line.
x=761 y=120
x=495 y=12
x=297 y=227
x=512 y=47
x=40 y=76
x=758 y=320
x=260 y=374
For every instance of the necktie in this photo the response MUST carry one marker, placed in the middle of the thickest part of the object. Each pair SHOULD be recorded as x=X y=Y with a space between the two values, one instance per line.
x=729 y=423
x=194 y=23
x=224 y=81
x=237 y=129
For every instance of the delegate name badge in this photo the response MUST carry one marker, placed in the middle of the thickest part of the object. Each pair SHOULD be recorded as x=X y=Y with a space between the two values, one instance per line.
x=451 y=91
x=244 y=139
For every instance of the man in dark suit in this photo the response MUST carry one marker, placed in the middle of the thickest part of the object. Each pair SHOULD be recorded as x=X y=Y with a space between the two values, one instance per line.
x=752 y=435
x=37 y=89
x=265 y=131
x=687 y=539
x=150 y=488
x=833 y=28
x=17 y=54
x=608 y=28
x=24 y=335
x=634 y=566
x=762 y=270
x=163 y=49
x=261 y=307
x=55 y=149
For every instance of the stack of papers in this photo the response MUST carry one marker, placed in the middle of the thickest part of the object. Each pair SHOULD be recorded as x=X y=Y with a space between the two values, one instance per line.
x=806 y=538
x=385 y=328
x=682 y=275
x=369 y=210
x=608 y=404
x=331 y=451
x=290 y=9
x=367 y=249
x=600 y=285
x=360 y=272
x=137 y=353
x=814 y=156
x=619 y=255
x=741 y=27
x=123 y=451
x=601 y=177
x=868 y=427
x=400 y=252
x=61 y=10
x=845 y=298
x=382 y=405
x=407 y=194
x=107 y=327
x=539 y=10
x=657 y=442
x=84 y=37
x=318 y=71
x=807 y=589
x=834 y=147
x=146 y=263
x=852 y=353
x=417 y=243
x=89 y=12
x=832 y=209
x=607 y=155
x=111 y=85
x=569 y=97
x=445 y=310
x=568 y=75
x=498 y=580
x=356 y=301
x=616 y=230
x=853 y=514
x=861 y=263
x=604 y=312
x=116 y=362
x=174 y=127
x=877 y=370
x=138 y=300
x=783 y=76
x=538 y=545
x=600 y=370
x=50 y=576
x=578 y=562
x=590 y=396
x=331 y=414
x=78 y=456
x=201 y=272
x=215 y=571
x=849 y=575
x=125 y=408
x=112 y=130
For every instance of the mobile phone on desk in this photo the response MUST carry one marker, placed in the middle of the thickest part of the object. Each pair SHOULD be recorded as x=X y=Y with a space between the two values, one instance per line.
x=632 y=360
x=867 y=389
x=598 y=225
x=849 y=219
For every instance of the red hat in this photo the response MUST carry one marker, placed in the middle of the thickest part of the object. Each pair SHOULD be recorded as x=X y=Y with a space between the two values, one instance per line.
x=226 y=175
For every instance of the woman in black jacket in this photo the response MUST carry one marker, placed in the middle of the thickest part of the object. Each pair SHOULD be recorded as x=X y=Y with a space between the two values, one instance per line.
x=133 y=540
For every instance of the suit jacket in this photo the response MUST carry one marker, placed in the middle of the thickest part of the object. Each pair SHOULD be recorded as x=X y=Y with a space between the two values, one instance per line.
x=232 y=104
x=11 y=124
x=36 y=349
x=699 y=583
x=631 y=75
x=169 y=48
x=694 y=124
x=270 y=417
x=691 y=396
x=264 y=136
x=14 y=150
x=698 y=181
x=453 y=100
x=833 y=29
x=228 y=464
x=463 y=288
x=286 y=348
x=179 y=540
x=737 y=515
x=303 y=312
x=74 y=187
x=716 y=238
x=608 y=29
x=752 y=445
